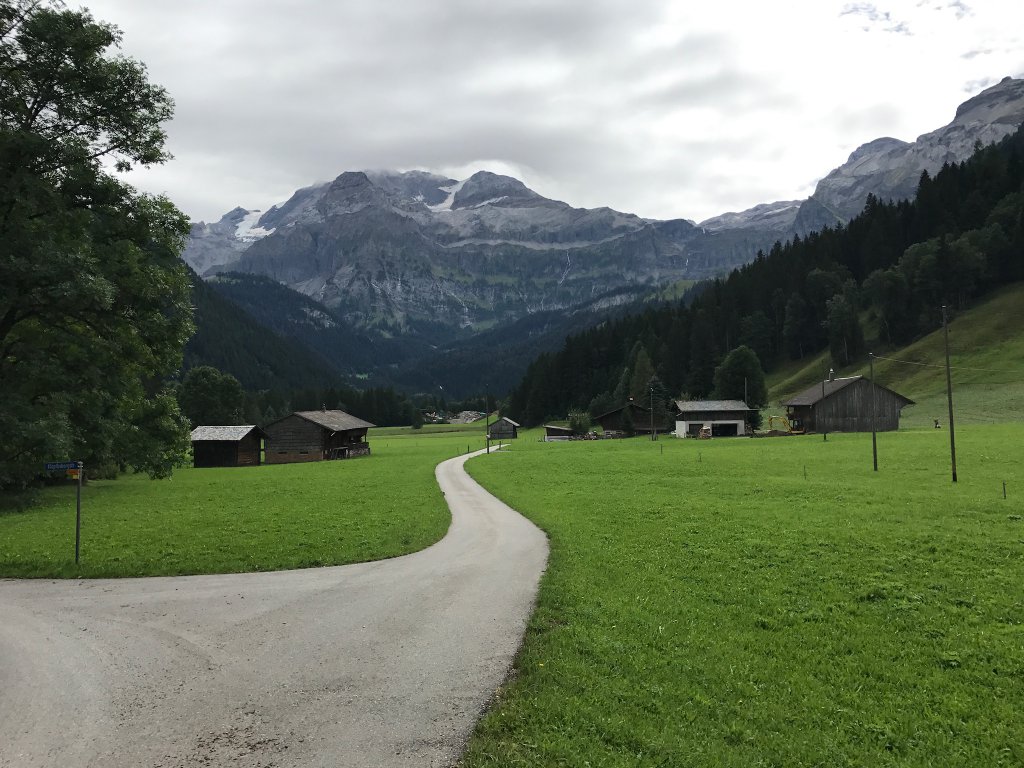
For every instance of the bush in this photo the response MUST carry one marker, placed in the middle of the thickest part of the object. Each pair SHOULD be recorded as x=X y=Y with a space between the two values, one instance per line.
x=579 y=422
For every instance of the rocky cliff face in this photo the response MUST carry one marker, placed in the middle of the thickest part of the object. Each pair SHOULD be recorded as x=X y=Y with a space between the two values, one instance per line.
x=386 y=249
x=390 y=249
x=887 y=168
x=890 y=169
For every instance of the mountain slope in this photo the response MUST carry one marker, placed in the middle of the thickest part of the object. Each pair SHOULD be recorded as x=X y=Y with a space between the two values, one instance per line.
x=391 y=252
x=231 y=340
x=986 y=355
x=886 y=167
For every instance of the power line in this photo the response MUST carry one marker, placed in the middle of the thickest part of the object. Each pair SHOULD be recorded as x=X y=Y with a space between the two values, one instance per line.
x=952 y=367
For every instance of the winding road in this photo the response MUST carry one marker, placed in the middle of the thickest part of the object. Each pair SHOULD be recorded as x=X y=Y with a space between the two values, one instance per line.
x=377 y=664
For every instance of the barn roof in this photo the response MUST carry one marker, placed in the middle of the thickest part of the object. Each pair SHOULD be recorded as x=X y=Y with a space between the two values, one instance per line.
x=556 y=428
x=223 y=434
x=506 y=418
x=815 y=394
x=699 y=406
x=338 y=421
x=634 y=406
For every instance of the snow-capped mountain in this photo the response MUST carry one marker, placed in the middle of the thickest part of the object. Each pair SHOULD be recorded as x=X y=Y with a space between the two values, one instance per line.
x=389 y=248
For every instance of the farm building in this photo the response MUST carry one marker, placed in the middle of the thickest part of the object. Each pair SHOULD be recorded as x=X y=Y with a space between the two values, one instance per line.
x=316 y=436
x=630 y=418
x=504 y=429
x=553 y=433
x=844 y=405
x=227 y=446
x=727 y=418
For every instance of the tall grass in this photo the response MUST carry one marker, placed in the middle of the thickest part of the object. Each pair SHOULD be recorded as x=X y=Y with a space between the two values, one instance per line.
x=768 y=602
x=240 y=519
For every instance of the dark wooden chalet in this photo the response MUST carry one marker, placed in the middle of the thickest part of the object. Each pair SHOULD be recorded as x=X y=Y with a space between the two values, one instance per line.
x=727 y=418
x=616 y=420
x=504 y=429
x=844 y=405
x=227 y=446
x=316 y=436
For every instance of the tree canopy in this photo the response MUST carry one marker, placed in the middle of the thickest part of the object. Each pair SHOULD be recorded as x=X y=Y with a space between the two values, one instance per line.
x=740 y=377
x=892 y=266
x=94 y=300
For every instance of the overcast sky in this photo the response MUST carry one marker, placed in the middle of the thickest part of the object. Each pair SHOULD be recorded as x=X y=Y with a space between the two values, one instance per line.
x=666 y=109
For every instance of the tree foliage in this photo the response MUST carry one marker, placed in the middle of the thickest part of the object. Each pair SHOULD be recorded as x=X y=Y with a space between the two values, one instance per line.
x=94 y=301
x=211 y=398
x=740 y=377
x=897 y=262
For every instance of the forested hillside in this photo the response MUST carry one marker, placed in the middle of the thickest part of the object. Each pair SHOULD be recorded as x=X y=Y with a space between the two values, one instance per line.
x=891 y=268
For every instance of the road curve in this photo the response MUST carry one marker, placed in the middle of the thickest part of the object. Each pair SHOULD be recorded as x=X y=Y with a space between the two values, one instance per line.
x=376 y=664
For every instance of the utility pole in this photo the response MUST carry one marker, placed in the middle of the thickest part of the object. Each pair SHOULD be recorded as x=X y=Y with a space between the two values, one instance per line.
x=653 y=435
x=874 y=411
x=487 y=423
x=821 y=408
x=949 y=393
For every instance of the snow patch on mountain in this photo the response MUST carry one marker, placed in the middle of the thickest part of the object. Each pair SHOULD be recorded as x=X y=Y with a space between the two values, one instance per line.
x=247 y=230
x=452 y=191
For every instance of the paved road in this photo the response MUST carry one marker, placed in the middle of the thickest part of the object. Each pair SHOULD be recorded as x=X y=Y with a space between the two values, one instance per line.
x=378 y=664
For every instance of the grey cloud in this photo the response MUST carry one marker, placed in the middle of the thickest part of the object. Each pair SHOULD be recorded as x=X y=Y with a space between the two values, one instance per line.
x=274 y=96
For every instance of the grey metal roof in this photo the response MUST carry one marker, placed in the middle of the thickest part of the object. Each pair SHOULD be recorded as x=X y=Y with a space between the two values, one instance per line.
x=506 y=418
x=225 y=434
x=334 y=420
x=691 y=406
x=816 y=393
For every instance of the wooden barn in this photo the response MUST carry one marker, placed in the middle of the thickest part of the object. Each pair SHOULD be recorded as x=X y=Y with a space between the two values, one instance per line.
x=844 y=405
x=316 y=436
x=616 y=420
x=504 y=429
x=227 y=446
x=727 y=418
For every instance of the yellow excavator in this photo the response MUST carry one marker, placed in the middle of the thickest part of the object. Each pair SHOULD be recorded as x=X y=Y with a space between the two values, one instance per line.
x=784 y=425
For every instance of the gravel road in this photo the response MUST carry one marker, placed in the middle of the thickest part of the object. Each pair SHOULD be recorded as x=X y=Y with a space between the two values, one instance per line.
x=377 y=664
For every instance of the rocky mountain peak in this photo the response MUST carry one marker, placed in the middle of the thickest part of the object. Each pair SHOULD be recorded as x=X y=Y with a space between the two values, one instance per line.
x=999 y=100
x=486 y=187
x=890 y=169
x=350 y=192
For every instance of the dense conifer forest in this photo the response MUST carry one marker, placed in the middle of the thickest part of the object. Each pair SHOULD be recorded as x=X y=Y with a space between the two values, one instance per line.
x=892 y=267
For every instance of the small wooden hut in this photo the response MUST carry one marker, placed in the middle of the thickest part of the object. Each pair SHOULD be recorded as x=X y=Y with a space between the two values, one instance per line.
x=726 y=418
x=316 y=436
x=845 y=405
x=504 y=429
x=553 y=433
x=227 y=446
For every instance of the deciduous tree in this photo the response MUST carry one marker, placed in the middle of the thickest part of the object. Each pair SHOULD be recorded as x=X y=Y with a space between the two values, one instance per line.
x=94 y=301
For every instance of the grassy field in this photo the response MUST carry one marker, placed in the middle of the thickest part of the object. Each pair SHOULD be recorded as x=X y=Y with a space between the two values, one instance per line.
x=241 y=519
x=768 y=602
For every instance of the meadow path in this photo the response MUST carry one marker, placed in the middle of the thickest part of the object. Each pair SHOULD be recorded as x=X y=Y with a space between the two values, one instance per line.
x=377 y=664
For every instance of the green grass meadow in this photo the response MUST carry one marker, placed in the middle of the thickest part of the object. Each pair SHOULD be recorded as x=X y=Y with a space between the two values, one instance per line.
x=241 y=519
x=768 y=602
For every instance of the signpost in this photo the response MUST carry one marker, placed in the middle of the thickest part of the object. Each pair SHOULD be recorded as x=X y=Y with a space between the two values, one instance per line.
x=74 y=470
